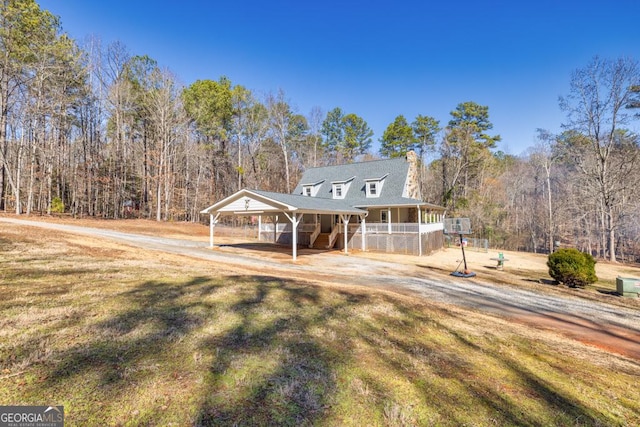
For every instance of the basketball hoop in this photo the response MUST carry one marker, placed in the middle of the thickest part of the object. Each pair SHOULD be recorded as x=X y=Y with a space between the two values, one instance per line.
x=459 y=226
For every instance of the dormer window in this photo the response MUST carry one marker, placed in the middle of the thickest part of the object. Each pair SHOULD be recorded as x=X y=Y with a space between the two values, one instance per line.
x=340 y=188
x=373 y=186
x=310 y=190
x=372 y=189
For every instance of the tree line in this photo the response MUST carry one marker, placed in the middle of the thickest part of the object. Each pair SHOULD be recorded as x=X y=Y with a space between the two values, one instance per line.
x=93 y=130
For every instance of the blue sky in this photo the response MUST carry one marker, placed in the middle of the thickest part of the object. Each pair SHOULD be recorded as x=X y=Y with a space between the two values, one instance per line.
x=377 y=59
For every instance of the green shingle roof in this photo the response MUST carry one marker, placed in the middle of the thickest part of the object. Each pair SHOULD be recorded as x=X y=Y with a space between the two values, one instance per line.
x=392 y=193
x=394 y=172
x=311 y=203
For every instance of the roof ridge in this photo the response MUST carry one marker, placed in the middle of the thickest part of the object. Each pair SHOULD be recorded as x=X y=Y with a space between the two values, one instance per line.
x=357 y=163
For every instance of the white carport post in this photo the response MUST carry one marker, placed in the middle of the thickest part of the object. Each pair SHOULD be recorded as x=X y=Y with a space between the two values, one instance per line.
x=389 y=220
x=295 y=220
x=345 y=222
x=212 y=223
x=275 y=228
x=419 y=235
x=363 y=230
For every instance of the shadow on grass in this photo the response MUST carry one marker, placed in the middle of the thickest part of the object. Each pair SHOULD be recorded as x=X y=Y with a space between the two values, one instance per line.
x=268 y=366
x=18 y=282
x=17 y=276
x=282 y=249
x=480 y=398
x=6 y=245
x=291 y=370
x=607 y=292
x=154 y=317
x=436 y=269
x=549 y=282
x=275 y=353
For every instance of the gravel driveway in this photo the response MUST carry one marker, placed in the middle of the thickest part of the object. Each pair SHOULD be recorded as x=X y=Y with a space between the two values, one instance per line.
x=600 y=324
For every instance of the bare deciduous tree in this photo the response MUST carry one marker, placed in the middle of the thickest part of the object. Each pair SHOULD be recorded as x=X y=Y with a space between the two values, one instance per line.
x=596 y=111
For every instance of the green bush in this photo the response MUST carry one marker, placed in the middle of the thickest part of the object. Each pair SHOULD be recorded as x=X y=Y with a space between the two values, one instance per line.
x=57 y=205
x=572 y=267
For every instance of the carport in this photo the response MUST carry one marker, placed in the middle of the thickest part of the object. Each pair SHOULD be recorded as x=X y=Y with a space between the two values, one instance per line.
x=293 y=207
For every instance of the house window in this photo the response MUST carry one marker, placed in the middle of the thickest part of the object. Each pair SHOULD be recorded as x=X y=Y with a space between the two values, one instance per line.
x=373 y=186
x=311 y=189
x=341 y=188
x=372 y=189
x=383 y=216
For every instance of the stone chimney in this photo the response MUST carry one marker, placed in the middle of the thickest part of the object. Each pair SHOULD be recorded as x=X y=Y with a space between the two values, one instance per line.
x=413 y=177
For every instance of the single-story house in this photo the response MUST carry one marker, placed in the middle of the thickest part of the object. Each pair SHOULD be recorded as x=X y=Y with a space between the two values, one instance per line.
x=373 y=205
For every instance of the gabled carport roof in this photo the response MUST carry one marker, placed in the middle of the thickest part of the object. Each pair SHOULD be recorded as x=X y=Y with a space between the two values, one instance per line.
x=256 y=202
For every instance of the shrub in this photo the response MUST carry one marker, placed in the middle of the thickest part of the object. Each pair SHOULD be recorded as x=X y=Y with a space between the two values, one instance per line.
x=57 y=205
x=572 y=267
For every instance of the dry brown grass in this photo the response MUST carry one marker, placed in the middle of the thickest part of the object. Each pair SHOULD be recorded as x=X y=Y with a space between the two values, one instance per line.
x=121 y=335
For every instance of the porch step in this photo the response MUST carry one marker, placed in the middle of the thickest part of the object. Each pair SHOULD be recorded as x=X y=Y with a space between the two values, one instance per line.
x=322 y=241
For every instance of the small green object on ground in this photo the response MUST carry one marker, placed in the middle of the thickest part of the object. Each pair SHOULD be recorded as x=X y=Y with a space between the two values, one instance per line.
x=501 y=260
x=628 y=286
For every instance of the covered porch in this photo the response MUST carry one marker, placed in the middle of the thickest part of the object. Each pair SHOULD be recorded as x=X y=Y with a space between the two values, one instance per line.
x=409 y=229
x=302 y=221
x=282 y=215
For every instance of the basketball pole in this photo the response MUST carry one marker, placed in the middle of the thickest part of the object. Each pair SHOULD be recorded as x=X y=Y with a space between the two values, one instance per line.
x=464 y=258
x=459 y=226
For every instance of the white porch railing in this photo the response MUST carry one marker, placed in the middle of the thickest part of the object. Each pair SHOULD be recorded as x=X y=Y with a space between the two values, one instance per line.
x=431 y=227
x=284 y=227
x=394 y=228
x=371 y=228
x=314 y=235
x=334 y=235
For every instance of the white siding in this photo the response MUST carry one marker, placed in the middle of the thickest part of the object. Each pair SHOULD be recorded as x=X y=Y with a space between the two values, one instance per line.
x=247 y=204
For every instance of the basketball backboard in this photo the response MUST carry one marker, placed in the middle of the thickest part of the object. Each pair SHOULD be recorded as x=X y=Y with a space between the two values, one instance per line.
x=457 y=226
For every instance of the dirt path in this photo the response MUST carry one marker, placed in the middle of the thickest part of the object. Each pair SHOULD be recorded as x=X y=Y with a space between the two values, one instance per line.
x=610 y=327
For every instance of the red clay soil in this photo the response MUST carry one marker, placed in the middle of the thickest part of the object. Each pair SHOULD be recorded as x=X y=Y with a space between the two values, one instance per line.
x=610 y=338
